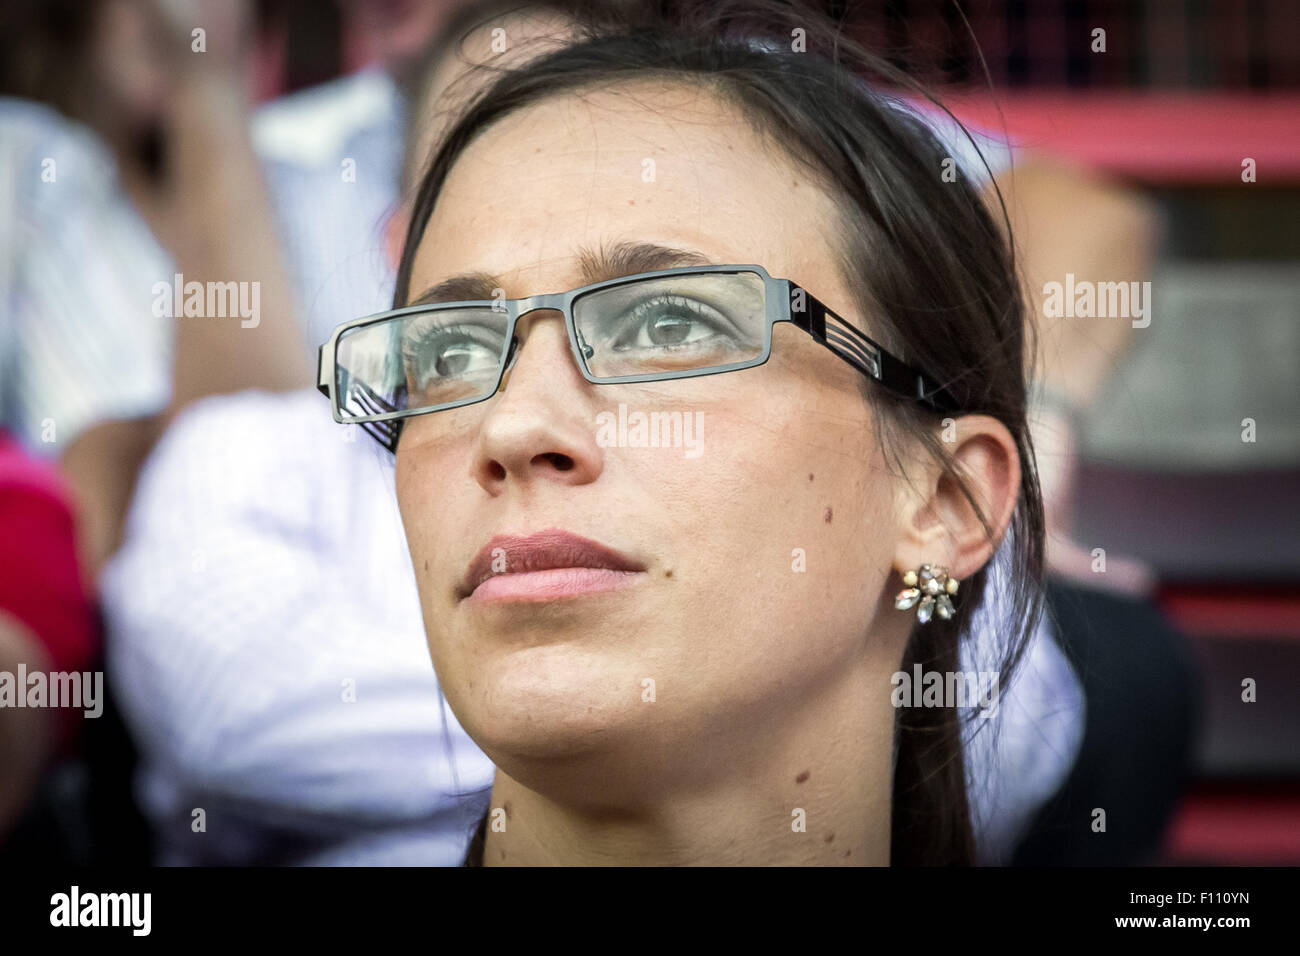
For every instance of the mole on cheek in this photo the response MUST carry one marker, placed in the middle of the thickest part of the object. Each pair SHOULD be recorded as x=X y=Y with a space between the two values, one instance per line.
x=828 y=515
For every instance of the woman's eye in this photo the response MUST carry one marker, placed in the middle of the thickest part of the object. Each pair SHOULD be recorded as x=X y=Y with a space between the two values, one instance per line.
x=450 y=353
x=666 y=322
x=457 y=359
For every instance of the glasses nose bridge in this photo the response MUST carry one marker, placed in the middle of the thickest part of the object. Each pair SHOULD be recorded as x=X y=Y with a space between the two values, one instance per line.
x=533 y=303
x=550 y=302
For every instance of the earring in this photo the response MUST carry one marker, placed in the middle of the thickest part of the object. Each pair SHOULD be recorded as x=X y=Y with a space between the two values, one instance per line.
x=932 y=587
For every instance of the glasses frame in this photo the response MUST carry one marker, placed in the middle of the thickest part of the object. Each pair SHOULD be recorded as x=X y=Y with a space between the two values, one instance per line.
x=824 y=325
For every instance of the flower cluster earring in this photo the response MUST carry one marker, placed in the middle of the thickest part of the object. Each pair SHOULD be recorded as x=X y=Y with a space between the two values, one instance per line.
x=930 y=586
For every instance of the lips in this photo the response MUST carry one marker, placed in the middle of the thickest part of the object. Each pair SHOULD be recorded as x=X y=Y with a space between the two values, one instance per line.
x=541 y=551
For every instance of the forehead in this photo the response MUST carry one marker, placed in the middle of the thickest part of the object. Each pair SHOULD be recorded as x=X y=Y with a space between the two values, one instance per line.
x=666 y=163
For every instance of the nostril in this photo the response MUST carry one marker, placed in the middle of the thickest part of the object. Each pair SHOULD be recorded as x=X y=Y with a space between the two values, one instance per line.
x=561 y=462
x=497 y=471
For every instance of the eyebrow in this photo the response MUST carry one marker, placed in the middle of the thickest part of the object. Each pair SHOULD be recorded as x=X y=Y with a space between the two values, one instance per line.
x=614 y=262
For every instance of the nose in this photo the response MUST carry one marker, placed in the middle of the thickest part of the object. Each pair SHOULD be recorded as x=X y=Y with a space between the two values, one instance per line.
x=539 y=427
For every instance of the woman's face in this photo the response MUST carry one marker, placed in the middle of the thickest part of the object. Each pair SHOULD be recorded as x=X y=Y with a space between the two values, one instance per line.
x=766 y=550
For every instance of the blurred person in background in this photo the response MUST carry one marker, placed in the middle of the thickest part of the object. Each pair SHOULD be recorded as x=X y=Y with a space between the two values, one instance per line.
x=293 y=702
x=114 y=134
x=327 y=802
x=47 y=623
x=120 y=168
x=1135 y=667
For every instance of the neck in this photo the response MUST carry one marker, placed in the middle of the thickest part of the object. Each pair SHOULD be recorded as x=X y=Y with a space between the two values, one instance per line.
x=808 y=788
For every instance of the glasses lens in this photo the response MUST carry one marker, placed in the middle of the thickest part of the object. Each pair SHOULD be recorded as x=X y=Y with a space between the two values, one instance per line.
x=420 y=360
x=672 y=324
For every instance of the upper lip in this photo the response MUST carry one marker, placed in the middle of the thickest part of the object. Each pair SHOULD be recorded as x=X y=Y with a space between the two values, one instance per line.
x=541 y=551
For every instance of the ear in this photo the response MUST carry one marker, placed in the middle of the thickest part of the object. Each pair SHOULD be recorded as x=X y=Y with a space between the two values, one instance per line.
x=939 y=524
x=395 y=234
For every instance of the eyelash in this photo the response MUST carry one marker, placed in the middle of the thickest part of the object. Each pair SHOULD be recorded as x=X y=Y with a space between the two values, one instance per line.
x=427 y=339
x=642 y=311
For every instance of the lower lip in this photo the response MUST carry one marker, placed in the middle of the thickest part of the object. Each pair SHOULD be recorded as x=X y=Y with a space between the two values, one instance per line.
x=552 y=584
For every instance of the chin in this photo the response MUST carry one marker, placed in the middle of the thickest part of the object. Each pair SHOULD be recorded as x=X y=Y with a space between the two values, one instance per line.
x=550 y=701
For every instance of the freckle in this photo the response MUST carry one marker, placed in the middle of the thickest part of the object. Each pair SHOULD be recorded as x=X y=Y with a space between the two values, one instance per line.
x=802 y=777
x=847 y=854
x=810 y=477
x=668 y=573
x=503 y=854
x=829 y=514
x=830 y=838
x=426 y=565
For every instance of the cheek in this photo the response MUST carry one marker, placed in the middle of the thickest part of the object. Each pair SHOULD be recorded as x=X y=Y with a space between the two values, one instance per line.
x=788 y=531
x=432 y=516
x=416 y=522
x=425 y=503
x=410 y=501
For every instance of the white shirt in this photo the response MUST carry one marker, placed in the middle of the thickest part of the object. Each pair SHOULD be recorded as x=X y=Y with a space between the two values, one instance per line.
x=1020 y=756
x=79 y=341
x=332 y=158
x=268 y=650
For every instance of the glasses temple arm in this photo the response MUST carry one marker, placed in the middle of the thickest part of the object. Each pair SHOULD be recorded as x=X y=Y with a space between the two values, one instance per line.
x=323 y=376
x=853 y=345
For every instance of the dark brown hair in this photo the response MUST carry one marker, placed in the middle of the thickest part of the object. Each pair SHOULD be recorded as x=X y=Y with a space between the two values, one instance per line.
x=932 y=268
x=45 y=48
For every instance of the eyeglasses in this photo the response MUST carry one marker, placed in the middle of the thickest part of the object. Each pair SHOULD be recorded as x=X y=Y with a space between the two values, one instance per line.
x=650 y=327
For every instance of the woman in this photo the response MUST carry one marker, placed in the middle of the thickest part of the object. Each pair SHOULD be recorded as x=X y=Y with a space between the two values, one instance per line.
x=686 y=654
